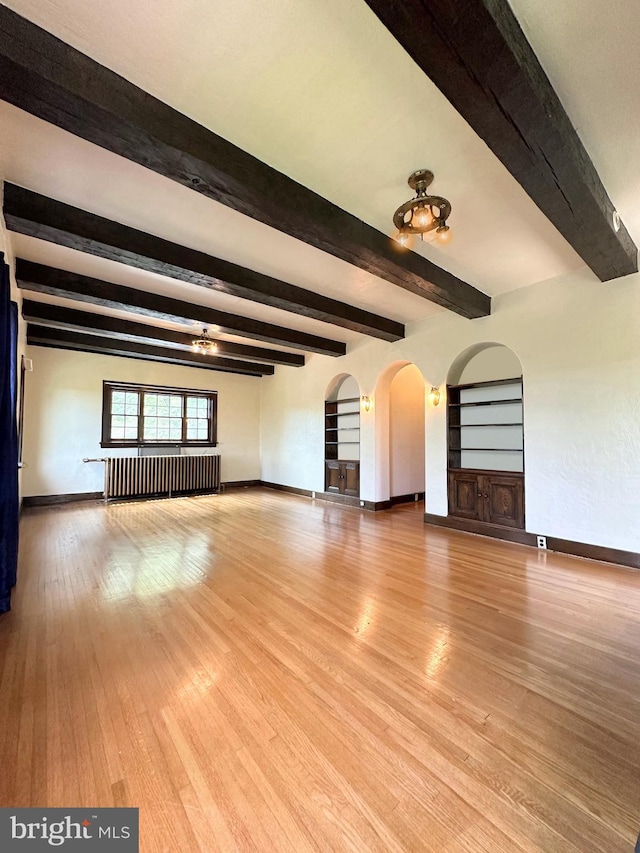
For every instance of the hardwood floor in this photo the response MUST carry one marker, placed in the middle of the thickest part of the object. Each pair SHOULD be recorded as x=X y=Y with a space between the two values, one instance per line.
x=259 y=672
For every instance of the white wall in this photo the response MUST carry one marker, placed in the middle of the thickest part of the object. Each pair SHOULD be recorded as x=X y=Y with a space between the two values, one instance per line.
x=406 y=432
x=577 y=340
x=63 y=410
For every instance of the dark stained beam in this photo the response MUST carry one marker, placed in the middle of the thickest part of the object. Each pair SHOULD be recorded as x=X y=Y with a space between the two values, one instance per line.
x=59 y=317
x=49 y=79
x=477 y=55
x=39 y=278
x=66 y=339
x=38 y=216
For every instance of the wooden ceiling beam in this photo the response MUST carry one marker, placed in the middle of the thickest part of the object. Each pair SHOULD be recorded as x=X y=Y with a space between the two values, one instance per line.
x=477 y=55
x=49 y=79
x=36 y=215
x=70 y=340
x=38 y=278
x=59 y=317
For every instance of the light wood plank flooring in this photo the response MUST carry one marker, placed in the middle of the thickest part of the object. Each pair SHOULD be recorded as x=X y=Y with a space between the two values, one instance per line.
x=259 y=672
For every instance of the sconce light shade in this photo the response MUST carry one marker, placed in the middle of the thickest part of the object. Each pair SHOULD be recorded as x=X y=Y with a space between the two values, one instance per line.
x=366 y=403
x=434 y=396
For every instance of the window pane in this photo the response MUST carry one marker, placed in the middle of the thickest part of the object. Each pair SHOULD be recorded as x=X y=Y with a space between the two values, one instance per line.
x=202 y=407
x=163 y=404
x=131 y=422
x=117 y=403
x=203 y=431
x=131 y=432
x=150 y=428
x=192 y=428
x=192 y=406
x=175 y=407
x=150 y=404
x=131 y=402
x=175 y=429
x=117 y=432
x=117 y=421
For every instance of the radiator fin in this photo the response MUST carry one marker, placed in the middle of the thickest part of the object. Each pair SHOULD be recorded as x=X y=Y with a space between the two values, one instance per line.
x=136 y=476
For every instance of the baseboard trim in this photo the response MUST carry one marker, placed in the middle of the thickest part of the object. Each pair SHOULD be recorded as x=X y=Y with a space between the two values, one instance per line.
x=240 y=484
x=406 y=499
x=561 y=546
x=293 y=490
x=466 y=525
x=594 y=552
x=55 y=500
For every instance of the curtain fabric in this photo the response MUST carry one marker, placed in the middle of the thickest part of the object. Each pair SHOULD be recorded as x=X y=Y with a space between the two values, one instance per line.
x=9 y=506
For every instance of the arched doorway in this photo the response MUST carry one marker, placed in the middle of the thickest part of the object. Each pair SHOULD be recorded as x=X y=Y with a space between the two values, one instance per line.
x=485 y=441
x=400 y=433
x=342 y=436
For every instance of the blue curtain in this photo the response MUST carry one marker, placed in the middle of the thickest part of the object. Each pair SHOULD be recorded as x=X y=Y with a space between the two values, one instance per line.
x=9 y=506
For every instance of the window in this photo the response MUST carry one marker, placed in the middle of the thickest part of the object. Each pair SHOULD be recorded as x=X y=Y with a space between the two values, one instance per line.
x=134 y=415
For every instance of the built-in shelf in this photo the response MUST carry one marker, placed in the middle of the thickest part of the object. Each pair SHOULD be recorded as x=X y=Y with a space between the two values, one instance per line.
x=492 y=449
x=477 y=402
x=341 y=444
x=471 y=426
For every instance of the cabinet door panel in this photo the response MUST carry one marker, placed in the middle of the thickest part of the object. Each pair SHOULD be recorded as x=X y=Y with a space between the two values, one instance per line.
x=333 y=480
x=351 y=481
x=465 y=495
x=504 y=500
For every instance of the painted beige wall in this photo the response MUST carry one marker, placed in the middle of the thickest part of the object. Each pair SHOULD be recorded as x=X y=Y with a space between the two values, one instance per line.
x=577 y=340
x=63 y=409
x=406 y=432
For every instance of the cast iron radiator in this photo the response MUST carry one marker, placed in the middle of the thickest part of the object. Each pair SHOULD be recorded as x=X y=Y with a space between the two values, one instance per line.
x=136 y=476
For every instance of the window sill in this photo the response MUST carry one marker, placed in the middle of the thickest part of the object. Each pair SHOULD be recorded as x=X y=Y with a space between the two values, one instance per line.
x=136 y=446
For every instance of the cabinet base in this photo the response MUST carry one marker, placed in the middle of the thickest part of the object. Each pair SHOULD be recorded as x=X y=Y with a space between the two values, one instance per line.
x=469 y=525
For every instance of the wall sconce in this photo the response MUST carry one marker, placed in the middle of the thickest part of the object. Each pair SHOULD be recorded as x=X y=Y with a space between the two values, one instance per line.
x=366 y=403
x=434 y=396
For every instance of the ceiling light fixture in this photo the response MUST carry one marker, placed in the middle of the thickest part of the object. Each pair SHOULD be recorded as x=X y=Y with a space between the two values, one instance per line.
x=423 y=214
x=204 y=344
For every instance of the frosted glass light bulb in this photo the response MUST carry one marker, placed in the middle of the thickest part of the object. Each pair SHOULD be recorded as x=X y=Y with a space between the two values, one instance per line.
x=403 y=237
x=443 y=234
x=423 y=218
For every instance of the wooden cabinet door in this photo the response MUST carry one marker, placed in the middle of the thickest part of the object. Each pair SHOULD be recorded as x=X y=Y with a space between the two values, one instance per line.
x=333 y=479
x=351 y=479
x=465 y=495
x=503 y=500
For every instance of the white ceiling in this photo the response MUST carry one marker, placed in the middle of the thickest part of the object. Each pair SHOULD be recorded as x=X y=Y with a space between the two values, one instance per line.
x=320 y=90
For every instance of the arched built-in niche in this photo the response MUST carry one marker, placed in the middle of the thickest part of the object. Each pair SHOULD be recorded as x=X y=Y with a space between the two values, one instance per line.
x=342 y=436
x=400 y=432
x=486 y=436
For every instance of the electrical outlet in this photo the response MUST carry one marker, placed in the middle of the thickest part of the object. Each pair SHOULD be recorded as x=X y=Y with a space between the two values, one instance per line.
x=313 y=494
x=542 y=542
x=361 y=503
x=415 y=497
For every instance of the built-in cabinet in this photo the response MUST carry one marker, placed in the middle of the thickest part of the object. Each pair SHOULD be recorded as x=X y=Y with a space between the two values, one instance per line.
x=486 y=452
x=494 y=498
x=342 y=478
x=342 y=446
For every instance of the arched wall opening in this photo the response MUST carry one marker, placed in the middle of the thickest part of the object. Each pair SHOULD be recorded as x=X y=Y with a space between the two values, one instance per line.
x=342 y=387
x=483 y=363
x=485 y=438
x=342 y=436
x=400 y=432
